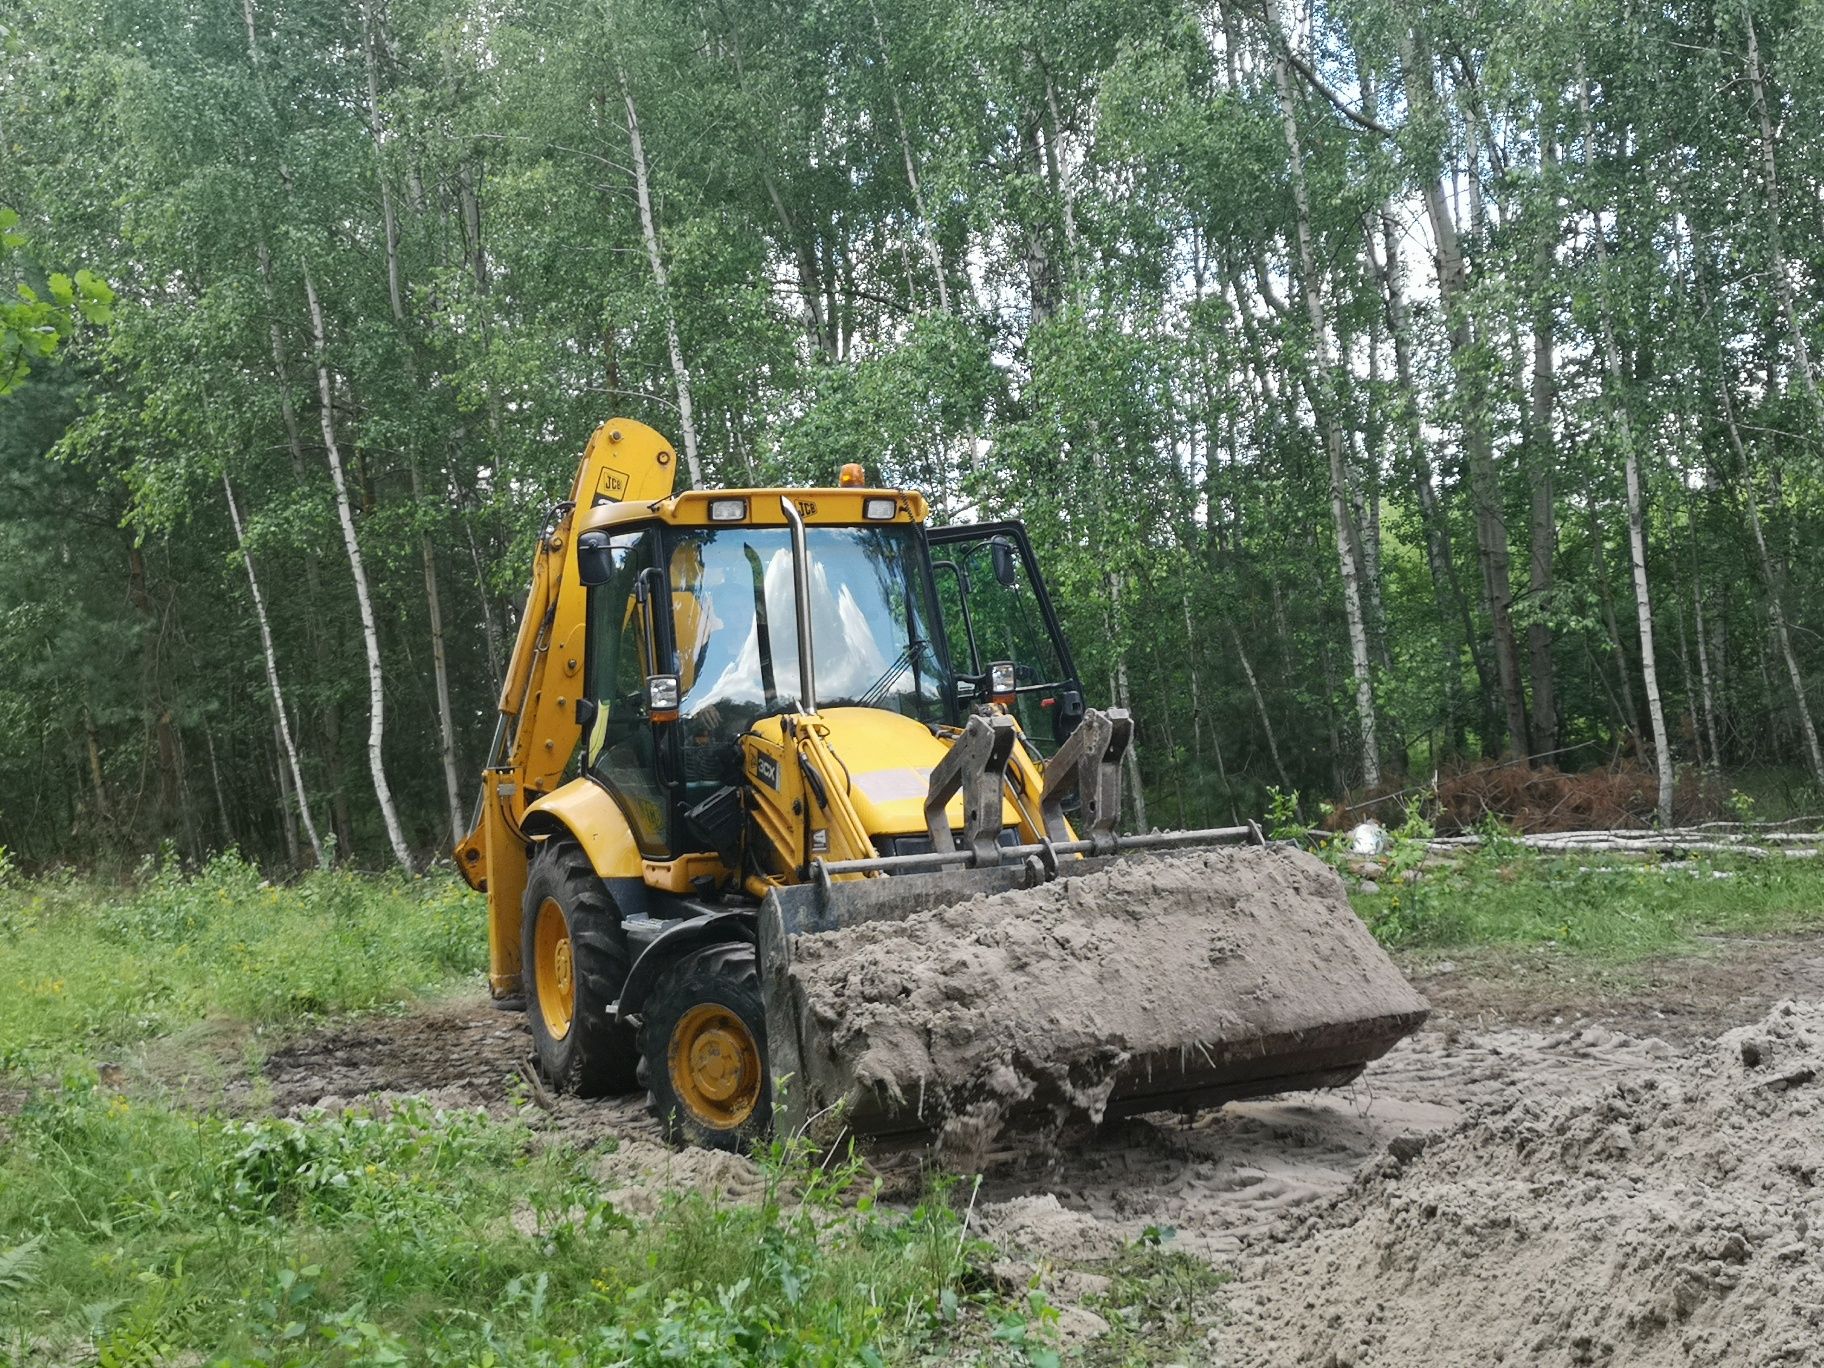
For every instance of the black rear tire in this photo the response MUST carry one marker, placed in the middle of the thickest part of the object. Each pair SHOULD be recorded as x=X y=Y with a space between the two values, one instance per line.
x=703 y=1050
x=583 y=1049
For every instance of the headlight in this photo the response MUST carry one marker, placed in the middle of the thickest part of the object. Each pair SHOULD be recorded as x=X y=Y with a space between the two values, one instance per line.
x=728 y=510
x=1001 y=679
x=879 y=510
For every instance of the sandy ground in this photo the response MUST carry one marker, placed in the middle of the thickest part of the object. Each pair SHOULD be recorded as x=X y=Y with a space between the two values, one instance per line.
x=1267 y=1190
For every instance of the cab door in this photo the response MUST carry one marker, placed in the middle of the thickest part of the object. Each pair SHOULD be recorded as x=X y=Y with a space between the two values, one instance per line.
x=995 y=607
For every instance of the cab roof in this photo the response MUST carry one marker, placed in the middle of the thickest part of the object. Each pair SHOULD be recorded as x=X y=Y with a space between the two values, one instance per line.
x=818 y=507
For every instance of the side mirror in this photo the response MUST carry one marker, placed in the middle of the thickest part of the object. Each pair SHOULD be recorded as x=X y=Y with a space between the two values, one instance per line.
x=1006 y=569
x=594 y=558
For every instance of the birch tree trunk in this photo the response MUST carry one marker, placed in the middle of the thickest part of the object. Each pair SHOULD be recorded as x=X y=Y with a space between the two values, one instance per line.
x=331 y=716
x=1485 y=488
x=1541 y=462
x=370 y=632
x=1637 y=542
x=1626 y=713
x=1455 y=628
x=1260 y=708
x=388 y=217
x=440 y=673
x=1118 y=687
x=288 y=819
x=680 y=373
x=440 y=669
x=1703 y=668
x=1782 y=287
x=1325 y=385
x=927 y=239
x=270 y=655
x=1776 y=610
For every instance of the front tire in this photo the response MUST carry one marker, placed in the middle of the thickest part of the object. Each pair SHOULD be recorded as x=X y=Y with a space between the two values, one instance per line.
x=573 y=963
x=703 y=1050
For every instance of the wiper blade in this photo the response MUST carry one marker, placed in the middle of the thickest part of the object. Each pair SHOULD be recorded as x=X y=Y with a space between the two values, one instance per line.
x=878 y=690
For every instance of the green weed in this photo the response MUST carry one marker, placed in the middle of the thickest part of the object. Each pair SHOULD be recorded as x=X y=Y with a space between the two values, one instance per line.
x=361 y=1239
x=86 y=967
x=1158 y=1301
x=1505 y=894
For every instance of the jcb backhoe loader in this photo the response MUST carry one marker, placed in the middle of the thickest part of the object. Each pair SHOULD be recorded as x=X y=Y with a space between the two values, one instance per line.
x=736 y=718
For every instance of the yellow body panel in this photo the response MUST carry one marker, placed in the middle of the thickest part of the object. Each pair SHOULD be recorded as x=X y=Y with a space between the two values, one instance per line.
x=887 y=759
x=875 y=765
x=588 y=812
x=815 y=506
x=877 y=769
x=623 y=460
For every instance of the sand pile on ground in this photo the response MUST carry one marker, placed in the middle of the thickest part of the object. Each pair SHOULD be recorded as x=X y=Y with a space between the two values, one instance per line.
x=1676 y=1217
x=1045 y=998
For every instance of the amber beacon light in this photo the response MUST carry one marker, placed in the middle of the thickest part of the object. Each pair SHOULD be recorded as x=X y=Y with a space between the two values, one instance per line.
x=853 y=476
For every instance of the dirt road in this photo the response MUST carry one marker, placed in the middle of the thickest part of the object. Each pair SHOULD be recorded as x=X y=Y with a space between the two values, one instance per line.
x=1309 y=1200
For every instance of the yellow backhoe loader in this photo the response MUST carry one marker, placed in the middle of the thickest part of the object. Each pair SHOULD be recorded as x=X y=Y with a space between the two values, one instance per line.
x=738 y=718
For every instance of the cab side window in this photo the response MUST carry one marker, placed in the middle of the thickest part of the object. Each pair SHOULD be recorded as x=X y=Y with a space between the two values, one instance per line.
x=991 y=612
x=620 y=746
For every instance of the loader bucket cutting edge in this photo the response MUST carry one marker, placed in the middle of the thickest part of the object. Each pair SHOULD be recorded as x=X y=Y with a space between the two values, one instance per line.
x=1305 y=1045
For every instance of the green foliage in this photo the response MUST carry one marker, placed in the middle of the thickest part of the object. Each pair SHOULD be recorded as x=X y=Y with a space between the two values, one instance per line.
x=353 y=1163
x=1039 y=261
x=1159 y=1301
x=365 y=1239
x=1506 y=895
x=1282 y=816
x=88 y=967
x=34 y=322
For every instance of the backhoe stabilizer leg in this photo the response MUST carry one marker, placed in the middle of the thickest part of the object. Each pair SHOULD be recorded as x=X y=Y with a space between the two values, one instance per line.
x=977 y=766
x=1088 y=764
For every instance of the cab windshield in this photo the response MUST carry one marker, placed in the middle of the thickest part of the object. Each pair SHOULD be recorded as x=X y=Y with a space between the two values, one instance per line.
x=735 y=623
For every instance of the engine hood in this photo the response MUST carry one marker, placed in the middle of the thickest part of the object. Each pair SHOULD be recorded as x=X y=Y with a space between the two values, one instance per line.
x=889 y=758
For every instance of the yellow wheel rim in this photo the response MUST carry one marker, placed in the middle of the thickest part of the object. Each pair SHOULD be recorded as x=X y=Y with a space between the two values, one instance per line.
x=552 y=972
x=715 y=1066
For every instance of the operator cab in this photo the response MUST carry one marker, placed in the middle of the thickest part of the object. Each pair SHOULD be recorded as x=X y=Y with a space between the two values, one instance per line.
x=693 y=638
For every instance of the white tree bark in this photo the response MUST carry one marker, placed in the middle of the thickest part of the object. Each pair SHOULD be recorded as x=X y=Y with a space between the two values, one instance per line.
x=282 y=722
x=440 y=672
x=1776 y=610
x=1782 y=287
x=288 y=816
x=446 y=722
x=656 y=259
x=1637 y=542
x=1703 y=670
x=927 y=240
x=1333 y=434
x=370 y=632
x=388 y=218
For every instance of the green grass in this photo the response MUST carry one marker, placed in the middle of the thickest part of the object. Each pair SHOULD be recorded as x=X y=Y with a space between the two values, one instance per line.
x=87 y=968
x=1158 y=1305
x=1610 y=909
x=439 y=1238
x=135 y=1229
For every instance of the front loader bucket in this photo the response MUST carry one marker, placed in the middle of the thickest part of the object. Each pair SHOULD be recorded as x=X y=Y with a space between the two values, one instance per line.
x=951 y=1002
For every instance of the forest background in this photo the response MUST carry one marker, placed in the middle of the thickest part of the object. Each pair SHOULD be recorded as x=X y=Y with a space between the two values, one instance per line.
x=1388 y=386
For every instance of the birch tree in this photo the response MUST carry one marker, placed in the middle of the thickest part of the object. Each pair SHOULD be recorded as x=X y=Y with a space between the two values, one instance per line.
x=1324 y=386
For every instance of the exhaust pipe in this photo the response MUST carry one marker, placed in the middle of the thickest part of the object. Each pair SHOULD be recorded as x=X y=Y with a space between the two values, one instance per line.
x=801 y=592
